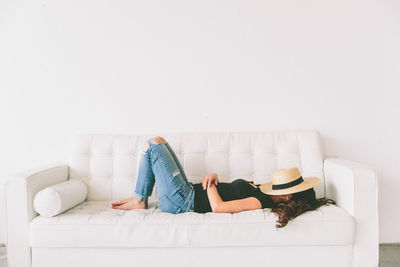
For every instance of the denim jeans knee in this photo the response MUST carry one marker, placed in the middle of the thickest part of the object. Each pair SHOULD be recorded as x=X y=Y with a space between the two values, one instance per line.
x=176 y=194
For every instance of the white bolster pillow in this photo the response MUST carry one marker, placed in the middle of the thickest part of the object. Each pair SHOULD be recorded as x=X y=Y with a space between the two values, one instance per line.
x=58 y=198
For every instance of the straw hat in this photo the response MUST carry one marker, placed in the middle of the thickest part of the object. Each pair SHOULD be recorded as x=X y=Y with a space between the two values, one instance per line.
x=288 y=181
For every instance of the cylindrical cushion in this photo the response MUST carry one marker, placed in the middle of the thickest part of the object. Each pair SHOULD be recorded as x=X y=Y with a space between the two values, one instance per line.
x=58 y=198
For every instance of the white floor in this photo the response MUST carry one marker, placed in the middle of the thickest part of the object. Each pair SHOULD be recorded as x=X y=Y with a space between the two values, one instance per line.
x=389 y=255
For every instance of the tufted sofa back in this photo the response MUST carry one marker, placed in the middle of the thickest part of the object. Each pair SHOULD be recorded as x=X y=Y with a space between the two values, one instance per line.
x=108 y=163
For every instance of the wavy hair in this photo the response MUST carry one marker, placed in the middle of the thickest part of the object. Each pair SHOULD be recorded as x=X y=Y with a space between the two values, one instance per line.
x=300 y=203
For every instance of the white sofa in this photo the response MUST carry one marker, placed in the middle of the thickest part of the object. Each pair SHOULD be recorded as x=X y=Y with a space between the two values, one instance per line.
x=93 y=234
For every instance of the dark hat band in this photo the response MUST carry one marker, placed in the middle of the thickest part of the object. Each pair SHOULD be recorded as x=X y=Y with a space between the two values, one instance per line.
x=287 y=185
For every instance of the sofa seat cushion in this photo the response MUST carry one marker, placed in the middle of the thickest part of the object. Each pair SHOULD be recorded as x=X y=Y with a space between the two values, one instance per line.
x=95 y=224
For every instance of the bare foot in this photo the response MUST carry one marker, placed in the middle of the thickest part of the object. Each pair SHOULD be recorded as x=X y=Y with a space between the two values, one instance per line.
x=129 y=204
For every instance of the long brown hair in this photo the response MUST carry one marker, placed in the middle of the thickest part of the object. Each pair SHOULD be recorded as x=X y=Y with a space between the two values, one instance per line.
x=300 y=203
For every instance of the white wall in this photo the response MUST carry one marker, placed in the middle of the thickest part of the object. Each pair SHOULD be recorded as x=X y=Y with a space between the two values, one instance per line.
x=132 y=67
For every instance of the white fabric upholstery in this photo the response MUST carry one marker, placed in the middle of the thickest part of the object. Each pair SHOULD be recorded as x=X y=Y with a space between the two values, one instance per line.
x=249 y=256
x=92 y=234
x=20 y=189
x=58 y=198
x=108 y=163
x=95 y=224
x=355 y=188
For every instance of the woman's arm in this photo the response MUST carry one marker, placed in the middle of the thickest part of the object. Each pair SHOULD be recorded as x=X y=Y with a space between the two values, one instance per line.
x=214 y=197
x=219 y=206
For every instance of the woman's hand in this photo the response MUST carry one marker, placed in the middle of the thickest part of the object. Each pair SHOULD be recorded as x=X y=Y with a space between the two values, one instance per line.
x=210 y=179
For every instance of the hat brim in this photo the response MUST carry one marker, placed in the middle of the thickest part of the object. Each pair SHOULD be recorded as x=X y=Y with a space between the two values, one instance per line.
x=308 y=183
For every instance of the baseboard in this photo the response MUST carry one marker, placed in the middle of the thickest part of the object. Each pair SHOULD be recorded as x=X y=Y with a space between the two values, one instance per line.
x=389 y=244
x=380 y=244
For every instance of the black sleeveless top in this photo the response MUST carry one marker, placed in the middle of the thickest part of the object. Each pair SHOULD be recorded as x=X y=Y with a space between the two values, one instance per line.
x=237 y=189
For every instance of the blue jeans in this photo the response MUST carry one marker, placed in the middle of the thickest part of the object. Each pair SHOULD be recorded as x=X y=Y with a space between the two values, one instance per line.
x=159 y=164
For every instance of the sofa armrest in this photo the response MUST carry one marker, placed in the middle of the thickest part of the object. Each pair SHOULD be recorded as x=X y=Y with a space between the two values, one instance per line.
x=19 y=191
x=354 y=187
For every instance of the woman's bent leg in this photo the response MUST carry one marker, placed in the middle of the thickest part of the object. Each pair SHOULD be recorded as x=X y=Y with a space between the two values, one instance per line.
x=145 y=179
x=177 y=162
x=175 y=193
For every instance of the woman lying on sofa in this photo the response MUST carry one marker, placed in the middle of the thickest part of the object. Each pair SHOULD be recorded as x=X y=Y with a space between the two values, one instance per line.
x=288 y=195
